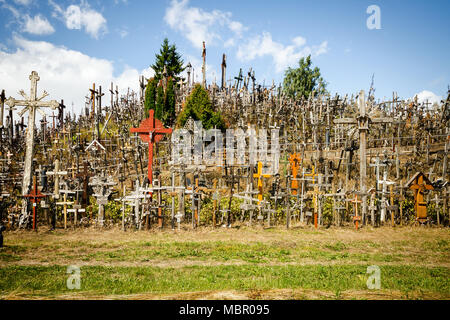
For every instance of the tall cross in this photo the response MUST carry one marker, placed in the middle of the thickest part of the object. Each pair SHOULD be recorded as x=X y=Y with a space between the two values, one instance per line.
x=224 y=71
x=363 y=121
x=93 y=93
x=2 y=107
x=31 y=103
x=204 y=66
x=151 y=131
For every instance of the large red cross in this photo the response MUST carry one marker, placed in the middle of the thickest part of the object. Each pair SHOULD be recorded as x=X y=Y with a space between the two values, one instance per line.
x=151 y=131
x=35 y=197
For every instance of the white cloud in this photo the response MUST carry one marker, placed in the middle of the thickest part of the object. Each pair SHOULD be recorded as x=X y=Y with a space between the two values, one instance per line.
x=38 y=25
x=77 y=17
x=60 y=72
x=283 y=56
x=198 y=25
x=429 y=96
x=23 y=2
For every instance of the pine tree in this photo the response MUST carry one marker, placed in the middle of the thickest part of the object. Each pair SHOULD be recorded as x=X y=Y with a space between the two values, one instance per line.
x=159 y=110
x=150 y=96
x=169 y=57
x=169 y=105
x=199 y=107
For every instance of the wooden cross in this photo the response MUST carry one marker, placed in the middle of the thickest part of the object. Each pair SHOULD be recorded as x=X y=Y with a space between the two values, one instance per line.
x=259 y=175
x=356 y=217
x=419 y=183
x=84 y=176
x=56 y=173
x=93 y=93
x=151 y=131
x=2 y=107
x=35 y=197
x=313 y=176
x=363 y=121
x=31 y=103
x=295 y=161
x=65 y=203
x=385 y=182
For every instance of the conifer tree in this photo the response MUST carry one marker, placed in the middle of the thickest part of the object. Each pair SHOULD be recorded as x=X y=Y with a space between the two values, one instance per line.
x=159 y=110
x=169 y=105
x=150 y=96
x=199 y=107
x=169 y=57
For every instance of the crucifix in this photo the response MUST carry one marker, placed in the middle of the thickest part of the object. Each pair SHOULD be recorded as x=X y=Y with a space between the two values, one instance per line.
x=31 y=103
x=84 y=176
x=363 y=121
x=61 y=108
x=93 y=98
x=35 y=197
x=151 y=131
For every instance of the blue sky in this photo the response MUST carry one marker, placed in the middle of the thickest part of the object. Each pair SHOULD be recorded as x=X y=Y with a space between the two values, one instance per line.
x=74 y=43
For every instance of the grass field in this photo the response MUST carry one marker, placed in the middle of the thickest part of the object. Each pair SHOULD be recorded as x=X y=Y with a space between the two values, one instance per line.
x=244 y=263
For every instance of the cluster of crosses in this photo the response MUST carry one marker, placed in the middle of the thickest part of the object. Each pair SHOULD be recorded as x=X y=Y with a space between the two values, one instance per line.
x=316 y=139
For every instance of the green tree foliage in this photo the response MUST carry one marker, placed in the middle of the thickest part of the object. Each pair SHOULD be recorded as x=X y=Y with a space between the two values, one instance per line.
x=169 y=104
x=150 y=96
x=169 y=57
x=199 y=107
x=302 y=81
x=160 y=98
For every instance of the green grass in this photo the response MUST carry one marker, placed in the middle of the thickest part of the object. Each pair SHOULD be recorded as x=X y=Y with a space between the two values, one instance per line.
x=47 y=281
x=227 y=251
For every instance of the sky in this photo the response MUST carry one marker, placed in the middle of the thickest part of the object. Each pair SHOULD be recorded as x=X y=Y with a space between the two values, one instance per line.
x=74 y=43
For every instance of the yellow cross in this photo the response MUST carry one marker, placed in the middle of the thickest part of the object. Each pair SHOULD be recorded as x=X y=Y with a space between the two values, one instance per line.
x=259 y=176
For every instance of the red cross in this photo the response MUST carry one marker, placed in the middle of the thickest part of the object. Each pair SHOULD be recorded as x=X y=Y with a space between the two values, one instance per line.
x=35 y=197
x=151 y=131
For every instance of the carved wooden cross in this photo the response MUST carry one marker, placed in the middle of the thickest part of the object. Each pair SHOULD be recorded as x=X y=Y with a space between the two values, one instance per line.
x=35 y=197
x=151 y=131
x=363 y=121
x=31 y=103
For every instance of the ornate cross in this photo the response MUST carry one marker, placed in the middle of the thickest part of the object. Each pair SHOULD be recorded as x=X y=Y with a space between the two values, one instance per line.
x=31 y=103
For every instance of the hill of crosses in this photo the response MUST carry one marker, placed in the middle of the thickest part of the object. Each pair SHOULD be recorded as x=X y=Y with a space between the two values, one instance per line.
x=347 y=161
